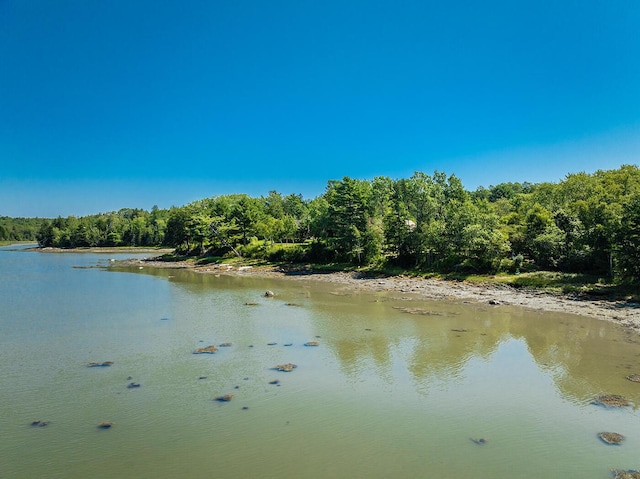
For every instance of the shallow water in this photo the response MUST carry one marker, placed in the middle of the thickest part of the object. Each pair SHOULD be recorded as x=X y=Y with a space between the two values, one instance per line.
x=386 y=393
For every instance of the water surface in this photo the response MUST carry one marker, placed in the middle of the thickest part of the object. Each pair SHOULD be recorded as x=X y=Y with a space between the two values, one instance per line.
x=385 y=394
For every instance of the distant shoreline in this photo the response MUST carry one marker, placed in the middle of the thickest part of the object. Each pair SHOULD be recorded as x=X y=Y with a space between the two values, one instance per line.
x=623 y=313
x=105 y=249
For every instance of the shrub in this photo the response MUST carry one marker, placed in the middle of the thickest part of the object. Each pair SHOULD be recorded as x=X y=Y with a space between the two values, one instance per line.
x=254 y=249
x=288 y=254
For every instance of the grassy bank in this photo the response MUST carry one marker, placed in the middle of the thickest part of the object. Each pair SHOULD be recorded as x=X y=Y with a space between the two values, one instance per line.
x=582 y=285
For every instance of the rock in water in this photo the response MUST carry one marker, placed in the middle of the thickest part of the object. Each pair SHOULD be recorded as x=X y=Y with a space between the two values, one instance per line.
x=225 y=398
x=286 y=367
x=611 y=437
x=211 y=349
x=630 y=474
x=612 y=400
x=634 y=377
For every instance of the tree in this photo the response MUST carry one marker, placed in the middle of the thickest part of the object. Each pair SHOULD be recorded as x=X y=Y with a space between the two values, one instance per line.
x=177 y=234
x=198 y=229
x=349 y=218
x=317 y=221
x=295 y=206
x=402 y=240
x=274 y=205
x=247 y=213
x=46 y=235
x=628 y=242
x=224 y=234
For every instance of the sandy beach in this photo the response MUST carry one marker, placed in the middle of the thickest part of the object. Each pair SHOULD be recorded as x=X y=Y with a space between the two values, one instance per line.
x=624 y=313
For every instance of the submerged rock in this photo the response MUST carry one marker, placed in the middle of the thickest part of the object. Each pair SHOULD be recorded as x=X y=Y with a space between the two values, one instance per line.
x=479 y=441
x=100 y=365
x=133 y=385
x=630 y=474
x=286 y=367
x=611 y=437
x=211 y=349
x=634 y=377
x=225 y=398
x=105 y=424
x=423 y=312
x=225 y=345
x=612 y=400
x=39 y=423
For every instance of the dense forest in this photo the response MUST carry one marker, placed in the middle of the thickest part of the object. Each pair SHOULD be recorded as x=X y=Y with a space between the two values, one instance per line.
x=126 y=227
x=20 y=229
x=586 y=223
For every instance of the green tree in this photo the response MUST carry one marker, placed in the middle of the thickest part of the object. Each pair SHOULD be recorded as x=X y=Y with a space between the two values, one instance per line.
x=317 y=221
x=628 y=242
x=177 y=233
x=224 y=234
x=274 y=205
x=349 y=220
x=294 y=206
x=402 y=240
x=247 y=213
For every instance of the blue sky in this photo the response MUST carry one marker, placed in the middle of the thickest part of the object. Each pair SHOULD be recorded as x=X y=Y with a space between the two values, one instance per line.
x=112 y=104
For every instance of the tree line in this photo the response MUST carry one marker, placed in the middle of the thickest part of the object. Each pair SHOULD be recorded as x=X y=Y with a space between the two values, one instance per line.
x=586 y=223
x=19 y=229
x=126 y=227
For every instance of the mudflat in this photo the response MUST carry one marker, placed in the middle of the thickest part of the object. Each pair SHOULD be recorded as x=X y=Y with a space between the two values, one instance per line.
x=625 y=313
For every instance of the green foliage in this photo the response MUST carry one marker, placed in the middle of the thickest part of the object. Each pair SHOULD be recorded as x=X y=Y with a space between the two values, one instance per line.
x=127 y=227
x=586 y=223
x=20 y=229
x=247 y=213
x=254 y=249
x=348 y=219
x=557 y=282
x=288 y=253
x=628 y=244
x=177 y=233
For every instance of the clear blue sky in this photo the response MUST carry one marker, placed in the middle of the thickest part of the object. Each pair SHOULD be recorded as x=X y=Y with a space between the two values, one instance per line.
x=125 y=103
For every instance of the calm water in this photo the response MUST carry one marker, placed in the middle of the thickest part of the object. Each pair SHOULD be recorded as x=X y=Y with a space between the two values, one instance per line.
x=386 y=394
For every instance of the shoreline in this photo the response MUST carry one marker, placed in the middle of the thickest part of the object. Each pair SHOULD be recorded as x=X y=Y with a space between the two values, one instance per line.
x=624 y=313
x=103 y=249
